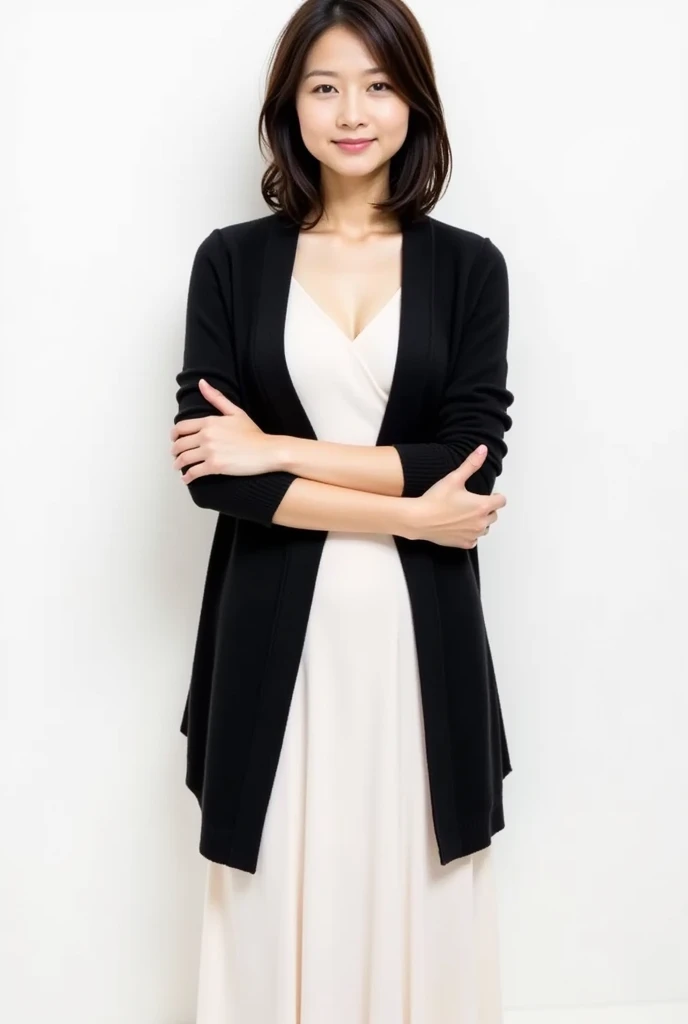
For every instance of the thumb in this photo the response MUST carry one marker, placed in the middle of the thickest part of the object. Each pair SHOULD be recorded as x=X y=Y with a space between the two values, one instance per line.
x=216 y=397
x=469 y=465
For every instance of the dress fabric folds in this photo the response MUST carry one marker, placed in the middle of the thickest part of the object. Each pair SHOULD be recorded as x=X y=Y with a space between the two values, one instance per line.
x=350 y=918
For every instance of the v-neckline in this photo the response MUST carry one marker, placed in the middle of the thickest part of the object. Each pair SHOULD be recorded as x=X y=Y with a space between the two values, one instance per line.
x=414 y=367
x=331 y=320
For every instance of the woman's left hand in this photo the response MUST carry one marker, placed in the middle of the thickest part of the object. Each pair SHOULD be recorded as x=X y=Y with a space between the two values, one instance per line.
x=232 y=443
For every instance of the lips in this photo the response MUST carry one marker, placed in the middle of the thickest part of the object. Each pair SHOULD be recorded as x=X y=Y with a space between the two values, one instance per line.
x=354 y=145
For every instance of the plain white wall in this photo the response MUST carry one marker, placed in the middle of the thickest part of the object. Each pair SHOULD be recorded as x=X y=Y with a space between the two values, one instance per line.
x=132 y=133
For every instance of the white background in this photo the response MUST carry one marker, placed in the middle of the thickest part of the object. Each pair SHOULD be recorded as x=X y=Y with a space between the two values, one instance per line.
x=129 y=133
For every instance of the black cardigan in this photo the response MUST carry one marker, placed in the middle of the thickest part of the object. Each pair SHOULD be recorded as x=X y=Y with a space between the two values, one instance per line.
x=448 y=395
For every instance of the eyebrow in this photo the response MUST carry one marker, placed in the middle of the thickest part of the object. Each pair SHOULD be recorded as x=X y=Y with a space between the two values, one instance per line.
x=335 y=74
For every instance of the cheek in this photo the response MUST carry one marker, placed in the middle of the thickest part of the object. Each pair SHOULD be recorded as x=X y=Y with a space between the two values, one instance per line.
x=393 y=122
x=315 y=124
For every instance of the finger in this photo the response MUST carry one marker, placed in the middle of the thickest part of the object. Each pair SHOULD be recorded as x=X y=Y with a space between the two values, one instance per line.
x=470 y=464
x=216 y=398
x=188 y=427
x=184 y=443
x=186 y=458
x=200 y=469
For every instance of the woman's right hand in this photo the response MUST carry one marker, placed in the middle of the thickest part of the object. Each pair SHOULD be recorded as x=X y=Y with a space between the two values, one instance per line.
x=449 y=515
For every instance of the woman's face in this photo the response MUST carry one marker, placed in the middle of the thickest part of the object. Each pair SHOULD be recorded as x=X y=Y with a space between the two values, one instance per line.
x=339 y=97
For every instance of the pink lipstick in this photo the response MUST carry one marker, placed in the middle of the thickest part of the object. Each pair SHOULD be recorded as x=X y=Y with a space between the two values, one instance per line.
x=353 y=145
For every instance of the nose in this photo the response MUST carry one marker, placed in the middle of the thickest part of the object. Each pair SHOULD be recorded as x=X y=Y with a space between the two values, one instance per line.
x=351 y=112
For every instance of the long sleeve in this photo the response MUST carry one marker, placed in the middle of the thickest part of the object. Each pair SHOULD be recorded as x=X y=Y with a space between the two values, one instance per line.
x=474 y=407
x=209 y=353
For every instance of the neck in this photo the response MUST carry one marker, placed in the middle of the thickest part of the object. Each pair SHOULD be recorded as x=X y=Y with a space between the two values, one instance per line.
x=347 y=204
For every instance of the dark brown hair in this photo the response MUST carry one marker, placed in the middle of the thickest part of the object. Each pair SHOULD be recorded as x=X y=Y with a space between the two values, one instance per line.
x=419 y=171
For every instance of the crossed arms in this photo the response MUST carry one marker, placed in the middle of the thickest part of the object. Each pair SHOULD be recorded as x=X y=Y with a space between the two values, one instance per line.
x=326 y=486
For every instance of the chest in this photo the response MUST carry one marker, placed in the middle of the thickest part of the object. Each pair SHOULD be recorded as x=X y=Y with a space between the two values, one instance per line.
x=350 y=282
x=343 y=384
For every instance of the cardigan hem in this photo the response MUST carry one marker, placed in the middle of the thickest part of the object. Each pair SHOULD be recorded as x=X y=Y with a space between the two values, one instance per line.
x=220 y=845
x=474 y=833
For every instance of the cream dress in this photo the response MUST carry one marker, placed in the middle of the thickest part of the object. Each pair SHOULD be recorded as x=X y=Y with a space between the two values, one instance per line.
x=350 y=918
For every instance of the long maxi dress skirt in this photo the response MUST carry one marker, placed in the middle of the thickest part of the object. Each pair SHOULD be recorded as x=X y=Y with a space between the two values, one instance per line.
x=350 y=918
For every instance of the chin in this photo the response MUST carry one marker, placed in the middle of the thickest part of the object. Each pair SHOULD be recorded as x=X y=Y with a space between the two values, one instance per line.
x=353 y=166
x=347 y=171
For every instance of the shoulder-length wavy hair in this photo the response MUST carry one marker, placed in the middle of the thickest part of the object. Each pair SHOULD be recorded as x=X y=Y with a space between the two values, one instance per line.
x=419 y=171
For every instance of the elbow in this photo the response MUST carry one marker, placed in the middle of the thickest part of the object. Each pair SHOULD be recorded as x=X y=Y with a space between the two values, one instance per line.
x=482 y=481
x=200 y=489
x=215 y=492
x=201 y=495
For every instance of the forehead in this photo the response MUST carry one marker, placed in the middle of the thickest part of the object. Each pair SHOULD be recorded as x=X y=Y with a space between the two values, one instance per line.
x=339 y=49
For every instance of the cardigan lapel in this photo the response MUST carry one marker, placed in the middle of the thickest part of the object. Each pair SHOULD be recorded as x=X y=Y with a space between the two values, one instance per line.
x=404 y=406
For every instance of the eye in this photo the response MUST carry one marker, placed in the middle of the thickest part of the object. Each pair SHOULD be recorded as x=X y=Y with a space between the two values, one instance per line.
x=327 y=85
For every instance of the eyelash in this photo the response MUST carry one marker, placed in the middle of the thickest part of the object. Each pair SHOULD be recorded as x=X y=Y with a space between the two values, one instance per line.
x=328 y=85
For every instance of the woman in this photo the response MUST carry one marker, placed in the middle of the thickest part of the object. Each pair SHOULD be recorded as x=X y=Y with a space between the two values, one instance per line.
x=342 y=406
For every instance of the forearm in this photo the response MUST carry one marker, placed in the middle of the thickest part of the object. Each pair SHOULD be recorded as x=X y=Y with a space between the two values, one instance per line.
x=373 y=468
x=312 y=505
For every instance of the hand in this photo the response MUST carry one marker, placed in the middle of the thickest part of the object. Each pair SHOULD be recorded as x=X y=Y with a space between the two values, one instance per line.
x=232 y=443
x=449 y=515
